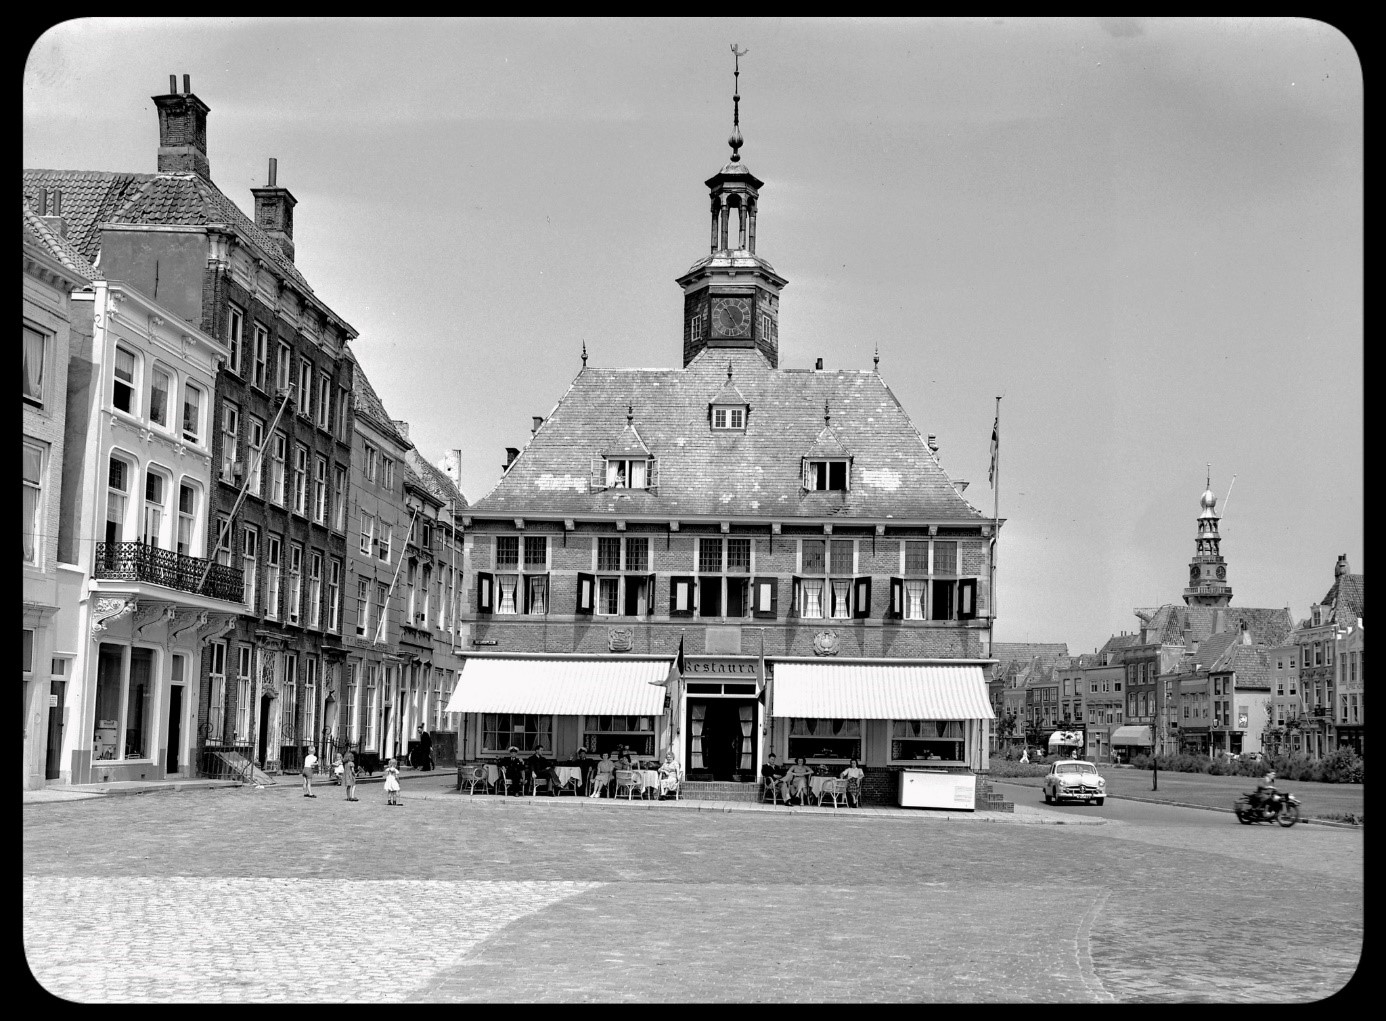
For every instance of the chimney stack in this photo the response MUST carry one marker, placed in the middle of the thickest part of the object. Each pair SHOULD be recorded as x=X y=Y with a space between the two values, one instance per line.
x=451 y=466
x=538 y=421
x=50 y=210
x=274 y=211
x=818 y=363
x=933 y=443
x=401 y=427
x=1341 y=567
x=182 y=131
x=510 y=454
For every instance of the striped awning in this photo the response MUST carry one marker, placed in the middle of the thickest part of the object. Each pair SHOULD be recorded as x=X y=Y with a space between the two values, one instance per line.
x=1132 y=735
x=561 y=687
x=872 y=691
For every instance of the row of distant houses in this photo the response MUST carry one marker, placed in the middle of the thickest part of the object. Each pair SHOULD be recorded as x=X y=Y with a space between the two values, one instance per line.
x=1197 y=679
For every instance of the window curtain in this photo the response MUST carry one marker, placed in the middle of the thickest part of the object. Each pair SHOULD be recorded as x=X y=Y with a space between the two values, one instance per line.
x=505 y=584
x=746 y=712
x=696 y=713
x=813 y=598
x=914 y=600
x=33 y=365
x=841 y=593
x=33 y=470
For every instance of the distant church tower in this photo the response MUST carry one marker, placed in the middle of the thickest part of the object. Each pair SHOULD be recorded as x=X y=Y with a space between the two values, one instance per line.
x=1207 y=570
x=731 y=298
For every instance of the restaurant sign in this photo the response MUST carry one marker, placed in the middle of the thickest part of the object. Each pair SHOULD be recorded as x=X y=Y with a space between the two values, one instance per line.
x=722 y=668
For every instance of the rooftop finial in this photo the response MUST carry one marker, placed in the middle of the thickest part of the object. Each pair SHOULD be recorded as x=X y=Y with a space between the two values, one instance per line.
x=584 y=354
x=735 y=140
x=827 y=414
x=630 y=413
x=729 y=370
x=876 y=358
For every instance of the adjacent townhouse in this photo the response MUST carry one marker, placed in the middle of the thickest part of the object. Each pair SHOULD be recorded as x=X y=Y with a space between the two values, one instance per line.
x=1319 y=638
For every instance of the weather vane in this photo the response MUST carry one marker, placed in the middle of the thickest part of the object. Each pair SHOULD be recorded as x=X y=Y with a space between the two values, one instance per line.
x=735 y=140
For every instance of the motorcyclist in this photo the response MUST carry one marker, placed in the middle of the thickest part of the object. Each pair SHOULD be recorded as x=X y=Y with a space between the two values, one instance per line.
x=1265 y=794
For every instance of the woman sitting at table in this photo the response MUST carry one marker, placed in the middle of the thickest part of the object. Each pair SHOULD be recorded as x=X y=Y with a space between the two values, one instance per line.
x=796 y=778
x=606 y=772
x=668 y=774
x=853 y=775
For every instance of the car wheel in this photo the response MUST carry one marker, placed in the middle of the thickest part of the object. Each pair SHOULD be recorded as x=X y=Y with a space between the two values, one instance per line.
x=1099 y=802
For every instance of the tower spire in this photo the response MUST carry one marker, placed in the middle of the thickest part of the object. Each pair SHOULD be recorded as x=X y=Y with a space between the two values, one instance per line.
x=1208 y=570
x=735 y=141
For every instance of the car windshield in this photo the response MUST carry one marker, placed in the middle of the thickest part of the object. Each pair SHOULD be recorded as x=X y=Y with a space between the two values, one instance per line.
x=1073 y=767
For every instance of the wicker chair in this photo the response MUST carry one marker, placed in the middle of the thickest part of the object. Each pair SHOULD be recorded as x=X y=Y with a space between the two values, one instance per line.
x=630 y=781
x=853 y=793
x=834 y=789
x=503 y=782
x=676 y=790
x=770 y=791
x=474 y=777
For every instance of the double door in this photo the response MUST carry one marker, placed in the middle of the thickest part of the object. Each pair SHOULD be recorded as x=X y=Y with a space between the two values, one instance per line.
x=721 y=736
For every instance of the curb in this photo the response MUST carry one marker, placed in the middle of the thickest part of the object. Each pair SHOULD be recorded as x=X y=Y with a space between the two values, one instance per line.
x=1304 y=821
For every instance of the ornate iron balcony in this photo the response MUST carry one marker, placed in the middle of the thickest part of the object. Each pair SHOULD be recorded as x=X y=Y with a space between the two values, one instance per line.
x=136 y=561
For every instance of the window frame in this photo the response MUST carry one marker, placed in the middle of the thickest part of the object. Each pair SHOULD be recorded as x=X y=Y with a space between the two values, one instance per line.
x=235 y=339
x=305 y=388
x=300 y=480
x=44 y=338
x=36 y=515
x=170 y=377
x=132 y=386
x=189 y=386
x=324 y=403
x=334 y=595
x=791 y=752
x=260 y=365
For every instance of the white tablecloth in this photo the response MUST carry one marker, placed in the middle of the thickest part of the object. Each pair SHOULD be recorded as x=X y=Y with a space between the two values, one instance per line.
x=567 y=773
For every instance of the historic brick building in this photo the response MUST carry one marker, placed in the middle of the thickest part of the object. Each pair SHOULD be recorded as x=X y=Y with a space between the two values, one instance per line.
x=788 y=530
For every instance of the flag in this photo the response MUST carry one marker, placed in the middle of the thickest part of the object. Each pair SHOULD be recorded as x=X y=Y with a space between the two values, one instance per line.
x=995 y=449
x=678 y=661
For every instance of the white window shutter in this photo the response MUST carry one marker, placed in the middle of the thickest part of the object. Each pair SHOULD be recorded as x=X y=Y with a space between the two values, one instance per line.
x=652 y=474
x=598 y=479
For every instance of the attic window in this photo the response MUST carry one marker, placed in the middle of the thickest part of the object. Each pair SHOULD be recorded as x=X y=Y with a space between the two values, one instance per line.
x=622 y=473
x=729 y=418
x=826 y=475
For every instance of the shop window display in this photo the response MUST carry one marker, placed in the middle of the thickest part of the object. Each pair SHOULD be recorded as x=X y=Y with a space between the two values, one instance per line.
x=912 y=740
x=607 y=733
x=824 y=739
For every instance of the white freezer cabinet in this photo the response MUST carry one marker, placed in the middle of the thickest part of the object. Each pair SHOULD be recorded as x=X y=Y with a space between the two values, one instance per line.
x=935 y=788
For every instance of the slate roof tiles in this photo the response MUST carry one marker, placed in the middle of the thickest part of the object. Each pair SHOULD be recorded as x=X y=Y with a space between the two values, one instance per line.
x=755 y=473
x=56 y=246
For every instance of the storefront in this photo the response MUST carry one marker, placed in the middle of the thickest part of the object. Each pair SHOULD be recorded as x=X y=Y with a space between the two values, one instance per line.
x=722 y=724
x=888 y=716
x=1130 y=740
x=563 y=703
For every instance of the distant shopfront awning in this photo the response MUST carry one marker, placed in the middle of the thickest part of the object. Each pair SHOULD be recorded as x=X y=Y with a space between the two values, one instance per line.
x=1132 y=735
x=871 y=691
x=561 y=687
x=1066 y=737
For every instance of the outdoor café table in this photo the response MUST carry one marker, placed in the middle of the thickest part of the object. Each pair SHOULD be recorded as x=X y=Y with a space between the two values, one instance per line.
x=649 y=779
x=816 y=784
x=567 y=773
x=492 y=774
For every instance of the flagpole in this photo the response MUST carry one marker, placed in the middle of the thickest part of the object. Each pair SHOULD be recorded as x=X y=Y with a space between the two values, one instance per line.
x=995 y=518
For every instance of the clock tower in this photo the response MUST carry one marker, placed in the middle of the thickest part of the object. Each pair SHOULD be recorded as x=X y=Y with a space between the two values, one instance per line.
x=731 y=297
x=1207 y=570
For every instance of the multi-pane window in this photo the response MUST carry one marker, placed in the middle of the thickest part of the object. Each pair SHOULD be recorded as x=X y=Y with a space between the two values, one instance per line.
x=192 y=413
x=626 y=473
x=387 y=472
x=608 y=733
x=525 y=731
x=623 y=586
x=729 y=418
x=827 y=588
x=261 y=356
x=123 y=382
x=223 y=553
x=295 y=583
x=518 y=588
x=187 y=518
x=363 y=606
x=283 y=367
x=33 y=499
x=382 y=599
x=300 y=479
x=927 y=739
x=230 y=431
x=827 y=475
x=274 y=557
x=824 y=739
x=372 y=462
x=369 y=709
x=288 y=699
x=343 y=403
x=255 y=438
x=250 y=552
x=349 y=704
x=310 y=697
x=154 y=509
x=929 y=588
x=383 y=542
x=305 y=387
x=320 y=491
x=279 y=454
x=216 y=693
x=35 y=356
x=124 y=708
x=723 y=584
x=235 y=339
x=334 y=594
x=339 y=487
x=160 y=385
x=324 y=398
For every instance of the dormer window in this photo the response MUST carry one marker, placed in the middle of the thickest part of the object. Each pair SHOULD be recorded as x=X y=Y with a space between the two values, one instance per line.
x=826 y=475
x=625 y=473
x=729 y=418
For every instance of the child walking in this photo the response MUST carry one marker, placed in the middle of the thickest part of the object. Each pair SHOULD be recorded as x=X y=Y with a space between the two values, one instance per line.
x=310 y=762
x=349 y=776
x=392 y=783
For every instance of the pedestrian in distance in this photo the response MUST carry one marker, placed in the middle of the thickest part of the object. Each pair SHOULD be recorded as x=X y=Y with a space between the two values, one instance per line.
x=310 y=762
x=337 y=768
x=425 y=748
x=349 y=775
x=392 y=783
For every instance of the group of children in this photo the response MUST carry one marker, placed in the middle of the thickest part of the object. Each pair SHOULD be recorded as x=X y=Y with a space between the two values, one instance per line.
x=344 y=771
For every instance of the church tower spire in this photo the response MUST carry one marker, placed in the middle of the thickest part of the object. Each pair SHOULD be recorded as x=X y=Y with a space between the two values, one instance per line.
x=1207 y=570
x=732 y=296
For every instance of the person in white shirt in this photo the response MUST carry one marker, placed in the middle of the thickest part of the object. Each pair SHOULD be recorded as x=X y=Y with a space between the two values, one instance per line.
x=310 y=762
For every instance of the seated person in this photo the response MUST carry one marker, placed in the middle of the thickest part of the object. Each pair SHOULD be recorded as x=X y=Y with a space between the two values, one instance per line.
x=853 y=775
x=514 y=767
x=585 y=763
x=796 y=779
x=541 y=768
x=668 y=774
x=774 y=772
x=605 y=774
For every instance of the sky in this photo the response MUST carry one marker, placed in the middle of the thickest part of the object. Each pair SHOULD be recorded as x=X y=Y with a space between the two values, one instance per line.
x=1145 y=235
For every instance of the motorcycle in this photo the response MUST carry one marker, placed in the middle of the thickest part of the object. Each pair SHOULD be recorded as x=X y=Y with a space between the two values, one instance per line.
x=1281 y=807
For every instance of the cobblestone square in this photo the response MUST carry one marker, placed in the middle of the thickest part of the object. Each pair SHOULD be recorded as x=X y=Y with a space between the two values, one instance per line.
x=239 y=895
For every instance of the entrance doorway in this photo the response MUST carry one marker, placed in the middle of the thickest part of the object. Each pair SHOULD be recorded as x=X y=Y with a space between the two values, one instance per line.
x=175 y=728
x=721 y=736
x=263 y=740
x=53 y=765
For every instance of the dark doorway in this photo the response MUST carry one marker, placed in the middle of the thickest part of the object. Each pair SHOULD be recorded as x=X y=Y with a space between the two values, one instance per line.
x=721 y=740
x=264 y=730
x=53 y=766
x=175 y=728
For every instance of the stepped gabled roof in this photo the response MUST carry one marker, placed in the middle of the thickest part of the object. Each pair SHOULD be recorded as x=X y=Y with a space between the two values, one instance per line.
x=757 y=472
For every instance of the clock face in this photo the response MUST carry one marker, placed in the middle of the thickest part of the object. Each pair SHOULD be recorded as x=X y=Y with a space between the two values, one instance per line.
x=732 y=316
x=1193 y=571
x=1222 y=572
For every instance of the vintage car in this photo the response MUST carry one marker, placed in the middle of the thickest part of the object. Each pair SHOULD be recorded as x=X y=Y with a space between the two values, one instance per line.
x=1074 y=780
